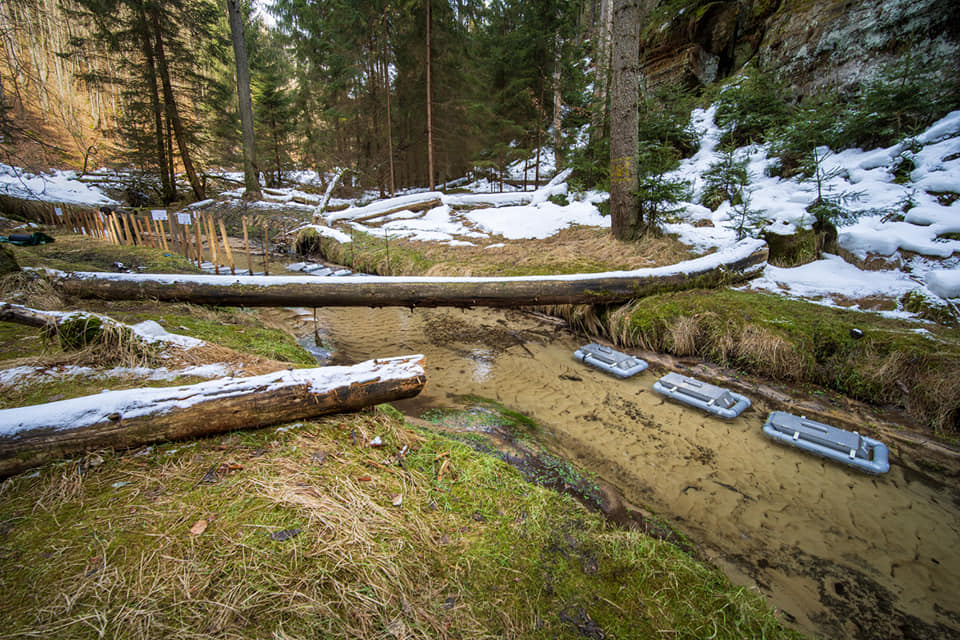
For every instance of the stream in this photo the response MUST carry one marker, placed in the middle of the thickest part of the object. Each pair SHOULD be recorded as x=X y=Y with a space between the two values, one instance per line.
x=839 y=553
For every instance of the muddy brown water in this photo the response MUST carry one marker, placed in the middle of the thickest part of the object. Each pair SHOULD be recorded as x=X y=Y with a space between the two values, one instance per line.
x=839 y=553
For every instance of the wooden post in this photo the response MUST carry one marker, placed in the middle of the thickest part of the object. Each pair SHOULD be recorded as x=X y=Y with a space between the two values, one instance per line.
x=175 y=233
x=88 y=223
x=226 y=246
x=185 y=239
x=246 y=245
x=139 y=230
x=212 y=240
x=99 y=220
x=151 y=224
x=163 y=236
x=266 y=250
x=199 y=236
x=132 y=229
x=115 y=228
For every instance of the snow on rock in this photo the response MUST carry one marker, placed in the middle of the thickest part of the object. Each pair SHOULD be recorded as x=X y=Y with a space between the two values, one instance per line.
x=326 y=232
x=151 y=332
x=537 y=221
x=945 y=284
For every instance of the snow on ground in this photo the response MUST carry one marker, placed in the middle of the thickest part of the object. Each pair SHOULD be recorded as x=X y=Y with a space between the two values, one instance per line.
x=824 y=280
x=477 y=214
x=54 y=186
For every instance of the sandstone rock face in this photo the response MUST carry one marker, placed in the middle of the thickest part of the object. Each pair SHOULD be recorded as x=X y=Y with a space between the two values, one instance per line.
x=808 y=43
x=823 y=42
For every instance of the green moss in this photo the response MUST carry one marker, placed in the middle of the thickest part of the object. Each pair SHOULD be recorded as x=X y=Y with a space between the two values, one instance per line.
x=372 y=254
x=293 y=544
x=792 y=340
x=19 y=341
x=237 y=329
x=792 y=250
x=82 y=253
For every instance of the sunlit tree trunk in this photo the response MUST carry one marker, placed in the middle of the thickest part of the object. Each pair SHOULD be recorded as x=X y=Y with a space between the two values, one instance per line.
x=251 y=178
x=169 y=189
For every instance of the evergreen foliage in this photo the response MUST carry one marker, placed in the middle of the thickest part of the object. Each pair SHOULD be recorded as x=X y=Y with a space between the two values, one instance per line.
x=724 y=181
x=657 y=193
x=751 y=109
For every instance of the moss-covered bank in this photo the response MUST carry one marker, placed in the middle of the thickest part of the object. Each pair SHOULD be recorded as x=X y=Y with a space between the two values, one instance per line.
x=307 y=530
x=862 y=355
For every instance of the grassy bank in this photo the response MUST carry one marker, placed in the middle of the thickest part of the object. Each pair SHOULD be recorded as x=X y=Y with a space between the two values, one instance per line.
x=307 y=530
x=905 y=364
x=573 y=250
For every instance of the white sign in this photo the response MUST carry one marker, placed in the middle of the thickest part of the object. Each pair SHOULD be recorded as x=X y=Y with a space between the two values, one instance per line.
x=158 y=214
x=183 y=218
x=58 y=211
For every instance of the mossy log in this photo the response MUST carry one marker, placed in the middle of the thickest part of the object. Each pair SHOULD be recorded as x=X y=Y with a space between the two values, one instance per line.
x=31 y=436
x=743 y=261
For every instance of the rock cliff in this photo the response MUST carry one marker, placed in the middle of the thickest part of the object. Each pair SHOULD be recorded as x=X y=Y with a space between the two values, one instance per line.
x=807 y=43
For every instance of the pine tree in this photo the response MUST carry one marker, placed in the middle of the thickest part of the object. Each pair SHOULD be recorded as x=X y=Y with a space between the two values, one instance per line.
x=251 y=172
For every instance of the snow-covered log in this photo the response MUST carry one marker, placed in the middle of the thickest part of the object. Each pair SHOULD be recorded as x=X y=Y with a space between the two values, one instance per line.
x=744 y=260
x=34 y=435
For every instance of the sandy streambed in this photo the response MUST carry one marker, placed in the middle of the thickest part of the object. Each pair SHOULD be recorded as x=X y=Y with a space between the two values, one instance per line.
x=840 y=553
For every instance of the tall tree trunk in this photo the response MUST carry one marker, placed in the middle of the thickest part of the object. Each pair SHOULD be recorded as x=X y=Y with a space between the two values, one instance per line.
x=171 y=106
x=386 y=87
x=557 y=101
x=169 y=189
x=275 y=133
x=624 y=136
x=429 y=106
x=251 y=172
x=602 y=66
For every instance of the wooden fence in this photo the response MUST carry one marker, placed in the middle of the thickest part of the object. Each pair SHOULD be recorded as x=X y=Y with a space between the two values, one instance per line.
x=196 y=235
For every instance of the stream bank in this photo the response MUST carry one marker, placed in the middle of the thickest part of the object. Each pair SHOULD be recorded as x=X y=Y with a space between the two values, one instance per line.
x=841 y=554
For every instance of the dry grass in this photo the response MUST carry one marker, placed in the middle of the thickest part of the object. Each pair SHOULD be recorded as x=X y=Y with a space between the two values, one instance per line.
x=305 y=536
x=759 y=344
x=575 y=249
x=572 y=250
x=31 y=291
x=683 y=336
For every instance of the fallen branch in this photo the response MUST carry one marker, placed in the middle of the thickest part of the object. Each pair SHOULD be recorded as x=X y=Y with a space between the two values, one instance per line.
x=740 y=262
x=34 y=435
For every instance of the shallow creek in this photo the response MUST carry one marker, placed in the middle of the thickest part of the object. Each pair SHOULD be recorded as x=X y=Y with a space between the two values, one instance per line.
x=838 y=552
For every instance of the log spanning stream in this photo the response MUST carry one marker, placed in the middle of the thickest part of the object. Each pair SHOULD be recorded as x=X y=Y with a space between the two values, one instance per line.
x=838 y=552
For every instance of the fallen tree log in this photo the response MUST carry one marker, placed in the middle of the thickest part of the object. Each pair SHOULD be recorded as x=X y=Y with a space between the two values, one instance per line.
x=34 y=435
x=744 y=260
